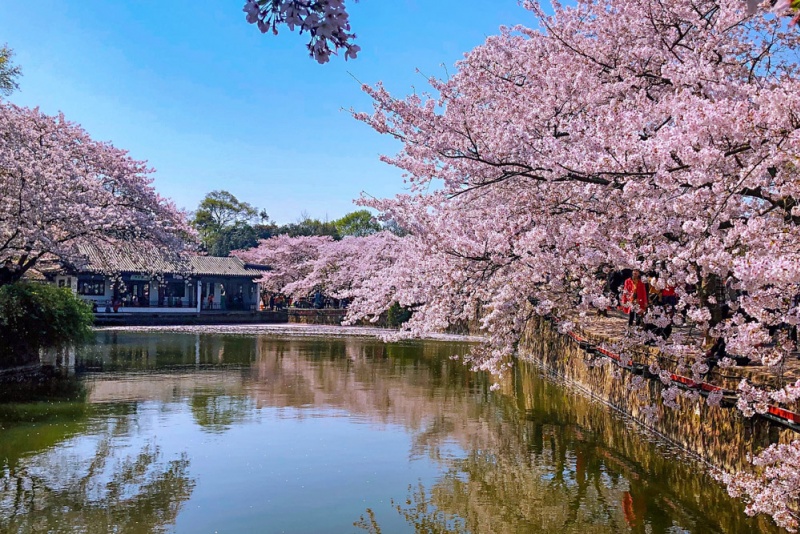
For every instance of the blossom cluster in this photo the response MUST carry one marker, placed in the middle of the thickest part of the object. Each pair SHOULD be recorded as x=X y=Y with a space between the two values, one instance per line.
x=326 y=21
x=777 y=491
x=661 y=136
x=60 y=188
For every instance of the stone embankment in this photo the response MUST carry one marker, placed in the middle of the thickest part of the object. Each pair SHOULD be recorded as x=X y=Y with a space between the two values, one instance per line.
x=327 y=316
x=721 y=436
x=331 y=316
x=203 y=318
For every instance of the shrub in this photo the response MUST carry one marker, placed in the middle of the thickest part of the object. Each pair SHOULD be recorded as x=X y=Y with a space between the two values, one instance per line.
x=397 y=315
x=37 y=316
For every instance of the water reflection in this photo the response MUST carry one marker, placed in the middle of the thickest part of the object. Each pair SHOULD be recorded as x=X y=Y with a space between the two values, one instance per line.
x=191 y=432
x=98 y=484
x=218 y=412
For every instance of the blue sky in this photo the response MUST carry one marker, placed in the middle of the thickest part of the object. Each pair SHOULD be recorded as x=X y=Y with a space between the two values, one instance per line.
x=211 y=103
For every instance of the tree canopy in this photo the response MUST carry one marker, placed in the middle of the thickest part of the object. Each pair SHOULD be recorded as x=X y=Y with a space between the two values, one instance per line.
x=661 y=136
x=35 y=316
x=9 y=73
x=219 y=209
x=357 y=223
x=225 y=223
x=60 y=188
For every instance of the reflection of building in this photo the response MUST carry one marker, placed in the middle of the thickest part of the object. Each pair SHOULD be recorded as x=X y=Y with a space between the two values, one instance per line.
x=139 y=279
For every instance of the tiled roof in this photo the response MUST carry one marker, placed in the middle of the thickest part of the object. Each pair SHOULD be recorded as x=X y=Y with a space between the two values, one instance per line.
x=34 y=275
x=124 y=257
x=213 y=266
x=130 y=258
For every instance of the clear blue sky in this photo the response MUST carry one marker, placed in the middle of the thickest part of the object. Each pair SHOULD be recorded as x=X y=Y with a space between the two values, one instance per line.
x=211 y=103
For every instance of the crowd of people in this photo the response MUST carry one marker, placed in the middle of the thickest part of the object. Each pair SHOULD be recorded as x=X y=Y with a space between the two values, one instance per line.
x=637 y=295
x=317 y=300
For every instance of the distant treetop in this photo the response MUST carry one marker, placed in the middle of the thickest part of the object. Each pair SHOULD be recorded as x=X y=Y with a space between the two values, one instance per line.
x=8 y=71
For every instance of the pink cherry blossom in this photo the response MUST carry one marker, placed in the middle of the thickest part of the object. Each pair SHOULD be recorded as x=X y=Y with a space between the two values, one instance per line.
x=59 y=188
x=617 y=134
x=326 y=21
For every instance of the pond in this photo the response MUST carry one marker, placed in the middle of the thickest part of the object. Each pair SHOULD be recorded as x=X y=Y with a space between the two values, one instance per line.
x=211 y=432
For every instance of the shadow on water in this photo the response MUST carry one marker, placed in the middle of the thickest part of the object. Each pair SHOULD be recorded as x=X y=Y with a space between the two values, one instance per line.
x=554 y=461
x=533 y=457
x=67 y=465
x=110 y=489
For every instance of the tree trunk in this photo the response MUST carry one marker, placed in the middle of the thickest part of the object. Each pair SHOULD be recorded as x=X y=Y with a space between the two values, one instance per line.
x=708 y=288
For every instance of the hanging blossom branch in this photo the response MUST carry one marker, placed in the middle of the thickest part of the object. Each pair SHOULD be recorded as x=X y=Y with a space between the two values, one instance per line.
x=327 y=21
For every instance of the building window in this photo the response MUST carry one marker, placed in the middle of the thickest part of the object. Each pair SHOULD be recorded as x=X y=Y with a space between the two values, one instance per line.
x=176 y=289
x=91 y=286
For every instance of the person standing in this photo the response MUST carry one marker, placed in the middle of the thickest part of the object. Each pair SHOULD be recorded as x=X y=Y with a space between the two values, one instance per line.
x=634 y=298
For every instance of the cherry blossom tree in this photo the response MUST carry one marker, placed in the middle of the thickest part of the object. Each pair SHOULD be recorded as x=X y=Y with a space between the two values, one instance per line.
x=661 y=136
x=653 y=135
x=291 y=260
x=59 y=188
x=355 y=268
x=658 y=136
x=326 y=21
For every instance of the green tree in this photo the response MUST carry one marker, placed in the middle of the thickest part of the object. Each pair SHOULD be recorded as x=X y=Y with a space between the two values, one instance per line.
x=236 y=237
x=397 y=315
x=8 y=71
x=37 y=316
x=357 y=223
x=226 y=223
x=306 y=226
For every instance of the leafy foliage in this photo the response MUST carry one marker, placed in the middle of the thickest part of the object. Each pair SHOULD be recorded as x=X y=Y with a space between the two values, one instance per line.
x=357 y=223
x=307 y=226
x=35 y=316
x=220 y=209
x=397 y=315
x=226 y=223
x=238 y=236
x=8 y=71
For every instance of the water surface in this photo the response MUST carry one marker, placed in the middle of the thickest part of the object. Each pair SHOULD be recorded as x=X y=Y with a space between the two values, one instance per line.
x=189 y=432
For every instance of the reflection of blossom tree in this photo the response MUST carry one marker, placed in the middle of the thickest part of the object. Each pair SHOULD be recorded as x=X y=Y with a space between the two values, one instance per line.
x=217 y=412
x=418 y=511
x=543 y=461
x=109 y=492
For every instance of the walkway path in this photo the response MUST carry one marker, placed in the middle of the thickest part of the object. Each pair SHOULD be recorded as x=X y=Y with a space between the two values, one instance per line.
x=609 y=330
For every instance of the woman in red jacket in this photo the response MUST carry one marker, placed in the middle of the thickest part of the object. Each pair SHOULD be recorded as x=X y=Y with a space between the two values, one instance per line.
x=634 y=298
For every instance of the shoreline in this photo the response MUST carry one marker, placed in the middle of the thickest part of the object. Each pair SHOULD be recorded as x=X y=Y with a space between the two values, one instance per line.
x=291 y=329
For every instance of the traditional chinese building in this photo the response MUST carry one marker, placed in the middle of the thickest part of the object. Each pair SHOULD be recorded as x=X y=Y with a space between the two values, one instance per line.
x=134 y=279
